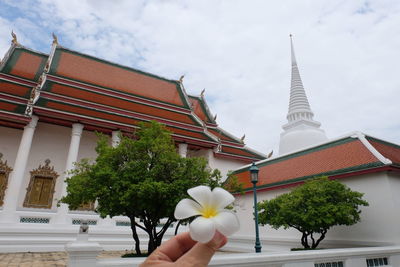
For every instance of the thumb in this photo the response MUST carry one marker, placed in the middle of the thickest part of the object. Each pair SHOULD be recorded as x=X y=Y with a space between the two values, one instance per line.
x=201 y=254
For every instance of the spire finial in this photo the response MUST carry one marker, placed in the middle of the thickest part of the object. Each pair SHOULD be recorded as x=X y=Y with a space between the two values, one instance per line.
x=242 y=138
x=202 y=92
x=55 y=39
x=292 y=50
x=181 y=79
x=14 y=38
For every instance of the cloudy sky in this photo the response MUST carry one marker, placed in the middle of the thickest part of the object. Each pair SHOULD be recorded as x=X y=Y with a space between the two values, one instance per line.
x=239 y=51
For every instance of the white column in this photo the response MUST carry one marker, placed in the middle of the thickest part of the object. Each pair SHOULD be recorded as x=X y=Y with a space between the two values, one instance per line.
x=183 y=150
x=115 y=139
x=61 y=217
x=17 y=175
x=107 y=222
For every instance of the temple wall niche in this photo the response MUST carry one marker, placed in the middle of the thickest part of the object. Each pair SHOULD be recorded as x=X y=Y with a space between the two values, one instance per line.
x=49 y=142
x=87 y=145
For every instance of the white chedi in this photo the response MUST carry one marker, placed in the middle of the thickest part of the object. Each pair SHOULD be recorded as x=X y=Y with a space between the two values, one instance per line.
x=209 y=207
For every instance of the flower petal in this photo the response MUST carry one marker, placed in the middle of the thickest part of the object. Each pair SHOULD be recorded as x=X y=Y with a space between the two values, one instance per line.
x=186 y=208
x=226 y=222
x=201 y=193
x=202 y=229
x=220 y=198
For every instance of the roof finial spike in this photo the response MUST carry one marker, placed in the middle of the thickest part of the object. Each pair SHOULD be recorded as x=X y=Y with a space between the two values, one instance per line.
x=292 y=50
x=202 y=92
x=55 y=39
x=181 y=79
x=242 y=139
x=14 y=38
x=215 y=117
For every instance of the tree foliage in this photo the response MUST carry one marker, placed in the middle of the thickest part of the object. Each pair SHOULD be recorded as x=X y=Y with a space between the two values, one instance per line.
x=313 y=208
x=142 y=178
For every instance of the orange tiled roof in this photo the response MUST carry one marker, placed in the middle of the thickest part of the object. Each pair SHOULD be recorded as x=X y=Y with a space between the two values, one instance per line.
x=90 y=70
x=123 y=104
x=25 y=63
x=106 y=96
x=241 y=151
x=388 y=150
x=341 y=156
x=15 y=89
x=200 y=109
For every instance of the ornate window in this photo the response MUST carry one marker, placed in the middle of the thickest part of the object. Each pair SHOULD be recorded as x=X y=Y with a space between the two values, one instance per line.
x=4 y=172
x=41 y=186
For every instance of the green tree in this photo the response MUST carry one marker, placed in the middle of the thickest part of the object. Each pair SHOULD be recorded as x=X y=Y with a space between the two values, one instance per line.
x=313 y=208
x=142 y=178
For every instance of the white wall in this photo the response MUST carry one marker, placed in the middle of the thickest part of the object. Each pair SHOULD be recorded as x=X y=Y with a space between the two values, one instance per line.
x=9 y=143
x=379 y=222
x=222 y=164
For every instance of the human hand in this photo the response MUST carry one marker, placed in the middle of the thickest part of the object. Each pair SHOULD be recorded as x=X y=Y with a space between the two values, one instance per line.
x=181 y=250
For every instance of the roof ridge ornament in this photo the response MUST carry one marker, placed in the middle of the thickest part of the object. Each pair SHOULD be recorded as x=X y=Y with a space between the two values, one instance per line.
x=181 y=79
x=202 y=92
x=55 y=39
x=242 y=138
x=14 y=40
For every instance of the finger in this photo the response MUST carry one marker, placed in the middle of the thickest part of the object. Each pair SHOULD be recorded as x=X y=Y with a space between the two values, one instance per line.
x=201 y=254
x=173 y=248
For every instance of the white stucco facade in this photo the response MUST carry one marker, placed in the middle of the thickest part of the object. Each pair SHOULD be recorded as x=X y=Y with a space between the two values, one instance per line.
x=50 y=228
x=378 y=225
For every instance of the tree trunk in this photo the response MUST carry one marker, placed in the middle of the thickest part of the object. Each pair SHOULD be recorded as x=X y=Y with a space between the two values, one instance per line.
x=151 y=245
x=304 y=240
x=135 y=236
x=320 y=238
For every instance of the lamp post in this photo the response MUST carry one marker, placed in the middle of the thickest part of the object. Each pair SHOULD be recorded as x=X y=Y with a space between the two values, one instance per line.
x=254 y=179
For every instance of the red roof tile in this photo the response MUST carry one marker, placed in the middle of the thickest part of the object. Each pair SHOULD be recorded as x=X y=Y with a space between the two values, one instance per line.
x=97 y=72
x=25 y=64
x=199 y=109
x=14 y=89
x=388 y=150
x=119 y=103
x=341 y=155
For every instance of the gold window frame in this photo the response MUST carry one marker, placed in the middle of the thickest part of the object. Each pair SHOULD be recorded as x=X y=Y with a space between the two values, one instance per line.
x=4 y=169
x=44 y=171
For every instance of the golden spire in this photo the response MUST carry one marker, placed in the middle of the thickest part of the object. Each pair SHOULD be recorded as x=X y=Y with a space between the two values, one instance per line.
x=14 y=38
x=55 y=39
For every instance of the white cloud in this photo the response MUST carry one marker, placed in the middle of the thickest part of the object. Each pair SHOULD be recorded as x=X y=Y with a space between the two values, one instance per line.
x=239 y=51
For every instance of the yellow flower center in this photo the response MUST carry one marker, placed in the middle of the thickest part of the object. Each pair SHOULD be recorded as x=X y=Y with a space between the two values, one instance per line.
x=208 y=212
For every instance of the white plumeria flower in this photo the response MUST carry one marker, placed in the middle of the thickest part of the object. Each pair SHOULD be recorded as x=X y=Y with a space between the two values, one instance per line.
x=209 y=207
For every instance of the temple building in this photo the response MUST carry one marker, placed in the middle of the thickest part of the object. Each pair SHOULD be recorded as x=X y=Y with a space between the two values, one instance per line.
x=362 y=162
x=52 y=104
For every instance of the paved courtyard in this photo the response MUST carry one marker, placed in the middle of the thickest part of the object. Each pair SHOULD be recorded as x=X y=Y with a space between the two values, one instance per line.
x=44 y=259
